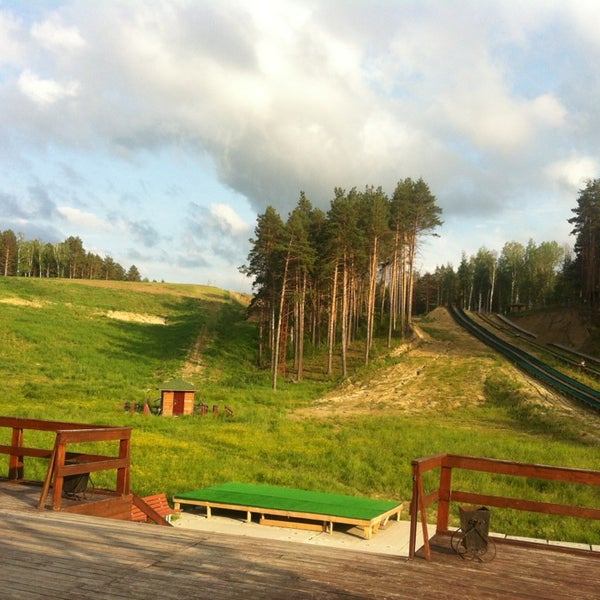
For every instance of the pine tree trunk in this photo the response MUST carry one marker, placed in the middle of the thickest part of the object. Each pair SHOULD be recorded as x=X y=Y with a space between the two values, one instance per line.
x=332 y=320
x=371 y=300
x=280 y=322
x=300 y=329
x=345 y=320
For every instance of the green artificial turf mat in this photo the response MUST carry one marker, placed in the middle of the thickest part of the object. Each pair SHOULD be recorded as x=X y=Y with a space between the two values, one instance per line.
x=289 y=499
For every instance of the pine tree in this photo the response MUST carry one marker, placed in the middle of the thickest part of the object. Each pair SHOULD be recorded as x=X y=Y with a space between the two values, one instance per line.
x=586 y=228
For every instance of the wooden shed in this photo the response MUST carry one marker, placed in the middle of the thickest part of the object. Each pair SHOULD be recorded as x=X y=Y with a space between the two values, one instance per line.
x=177 y=398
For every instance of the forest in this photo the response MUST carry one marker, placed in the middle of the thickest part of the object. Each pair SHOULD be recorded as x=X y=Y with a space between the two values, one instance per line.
x=339 y=276
x=347 y=276
x=68 y=259
x=525 y=276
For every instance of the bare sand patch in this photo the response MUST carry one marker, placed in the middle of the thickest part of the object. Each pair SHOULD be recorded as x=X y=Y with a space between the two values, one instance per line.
x=393 y=538
x=22 y=302
x=120 y=315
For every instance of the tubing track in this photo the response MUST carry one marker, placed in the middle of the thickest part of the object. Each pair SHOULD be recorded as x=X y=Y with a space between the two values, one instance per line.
x=528 y=363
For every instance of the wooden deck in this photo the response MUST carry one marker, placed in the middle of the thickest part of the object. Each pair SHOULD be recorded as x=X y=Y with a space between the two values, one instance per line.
x=52 y=554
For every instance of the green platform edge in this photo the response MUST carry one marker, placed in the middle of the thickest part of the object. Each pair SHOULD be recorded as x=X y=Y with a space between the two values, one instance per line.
x=281 y=498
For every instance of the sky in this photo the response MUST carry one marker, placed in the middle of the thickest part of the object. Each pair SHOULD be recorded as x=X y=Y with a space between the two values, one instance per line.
x=157 y=131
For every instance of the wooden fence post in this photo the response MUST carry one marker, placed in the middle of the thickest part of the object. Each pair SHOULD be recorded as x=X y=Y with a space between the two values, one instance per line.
x=443 y=513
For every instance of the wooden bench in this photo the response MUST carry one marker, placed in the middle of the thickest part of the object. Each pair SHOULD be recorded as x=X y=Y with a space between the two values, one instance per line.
x=148 y=508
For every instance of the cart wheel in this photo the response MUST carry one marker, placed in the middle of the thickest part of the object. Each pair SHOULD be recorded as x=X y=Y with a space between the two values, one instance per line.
x=489 y=553
x=457 y=541
x=486 y=553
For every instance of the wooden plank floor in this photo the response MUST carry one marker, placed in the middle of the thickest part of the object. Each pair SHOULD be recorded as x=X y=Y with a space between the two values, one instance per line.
x=46 y=554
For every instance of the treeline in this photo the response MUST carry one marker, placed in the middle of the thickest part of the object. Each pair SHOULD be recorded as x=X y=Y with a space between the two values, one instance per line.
x=337 y=277
x=34 y=258
x=529 y=276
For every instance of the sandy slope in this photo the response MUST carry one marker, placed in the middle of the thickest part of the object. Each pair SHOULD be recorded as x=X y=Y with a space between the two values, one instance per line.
x=425 y=378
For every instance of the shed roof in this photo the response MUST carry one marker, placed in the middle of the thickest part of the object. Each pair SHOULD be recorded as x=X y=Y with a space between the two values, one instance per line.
x=178 y=385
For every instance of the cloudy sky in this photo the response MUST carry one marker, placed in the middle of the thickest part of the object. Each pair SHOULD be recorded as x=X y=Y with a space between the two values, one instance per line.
x=156 y=131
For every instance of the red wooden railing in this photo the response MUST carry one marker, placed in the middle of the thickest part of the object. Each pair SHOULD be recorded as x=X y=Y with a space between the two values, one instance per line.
x=444 y=494
x=62 y=462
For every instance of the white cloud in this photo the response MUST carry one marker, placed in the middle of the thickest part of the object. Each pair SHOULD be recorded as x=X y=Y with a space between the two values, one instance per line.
x=81 y=219
x=547 y=109
x=586 y=16
x=11 y=48
x=229 y=219
x=573 y=172
x=45 y=91
x=54 y=35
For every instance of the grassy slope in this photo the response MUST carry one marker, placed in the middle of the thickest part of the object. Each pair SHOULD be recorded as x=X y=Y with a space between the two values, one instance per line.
x=62 y=357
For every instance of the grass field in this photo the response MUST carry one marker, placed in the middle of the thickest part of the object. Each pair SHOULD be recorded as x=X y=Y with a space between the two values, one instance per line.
x=78 y=351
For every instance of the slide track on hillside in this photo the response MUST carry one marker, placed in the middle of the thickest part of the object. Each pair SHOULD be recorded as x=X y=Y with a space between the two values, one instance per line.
x=528 y=363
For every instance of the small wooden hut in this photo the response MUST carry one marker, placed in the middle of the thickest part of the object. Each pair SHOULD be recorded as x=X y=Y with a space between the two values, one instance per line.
x=177 y=398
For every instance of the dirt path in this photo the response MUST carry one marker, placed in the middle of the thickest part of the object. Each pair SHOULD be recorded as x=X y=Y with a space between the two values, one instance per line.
x=194 y=365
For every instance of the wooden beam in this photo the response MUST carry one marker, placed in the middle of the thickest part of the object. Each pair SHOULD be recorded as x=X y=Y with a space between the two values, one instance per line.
x=505 y=467
x=48 y=480
x=547 y=508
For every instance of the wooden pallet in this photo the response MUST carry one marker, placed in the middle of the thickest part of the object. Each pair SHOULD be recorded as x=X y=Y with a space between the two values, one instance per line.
x=299 y=518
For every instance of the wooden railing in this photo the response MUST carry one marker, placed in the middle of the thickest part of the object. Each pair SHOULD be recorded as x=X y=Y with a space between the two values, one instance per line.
x=444 y=494
x=62 y=462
